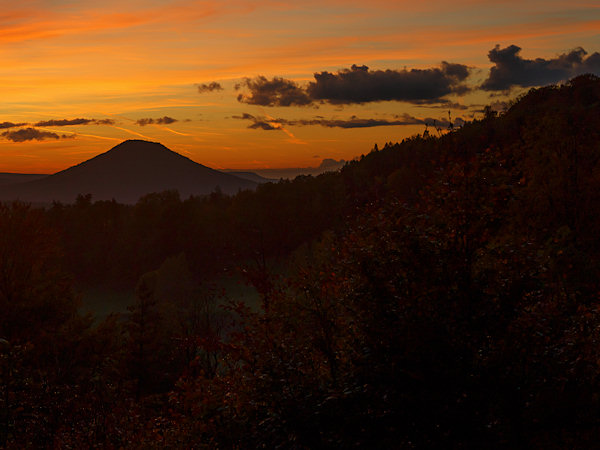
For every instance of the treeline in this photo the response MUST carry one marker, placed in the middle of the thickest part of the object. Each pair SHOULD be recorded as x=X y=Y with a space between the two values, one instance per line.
x=442 y=292
x=107 y=242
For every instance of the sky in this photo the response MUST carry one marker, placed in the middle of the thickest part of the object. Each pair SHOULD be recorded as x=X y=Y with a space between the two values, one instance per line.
x=268 y=84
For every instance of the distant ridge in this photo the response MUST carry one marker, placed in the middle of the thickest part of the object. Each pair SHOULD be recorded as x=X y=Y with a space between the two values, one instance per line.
x=12 y=178
x=251 y=176
x=127 y=172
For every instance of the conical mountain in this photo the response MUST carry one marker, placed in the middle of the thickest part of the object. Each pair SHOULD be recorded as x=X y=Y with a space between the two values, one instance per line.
x=126 y=173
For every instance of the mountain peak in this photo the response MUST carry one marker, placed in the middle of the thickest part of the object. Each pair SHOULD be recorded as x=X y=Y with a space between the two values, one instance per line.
x=140 y=153
x=136 y=144
x=126 y=172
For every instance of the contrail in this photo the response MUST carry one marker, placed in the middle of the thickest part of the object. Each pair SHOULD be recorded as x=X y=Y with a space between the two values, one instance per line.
x=172 y=131
x=279 y=126
x=132 y=132
x=80 y=134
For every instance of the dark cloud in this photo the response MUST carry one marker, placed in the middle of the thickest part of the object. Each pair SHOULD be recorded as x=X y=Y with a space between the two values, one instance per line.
x=210 y=87
x=67 y=122
x=441 y=104
x=165 y=120
x=275 y=92
x=361 y=85
x=355 y=122
x=262 y=123
x=62 y=122
x=160 y=121
x=4 y=125
x=30 y=134
x=510 y=69
x=103 y=122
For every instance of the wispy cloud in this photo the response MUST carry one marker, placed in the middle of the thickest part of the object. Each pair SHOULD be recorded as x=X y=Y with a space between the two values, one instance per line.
x=31 y=134
x=4 y=125
x=42 y=19
x=68 y=122
x=269 y=123
x=160 y=121
x=209 y=87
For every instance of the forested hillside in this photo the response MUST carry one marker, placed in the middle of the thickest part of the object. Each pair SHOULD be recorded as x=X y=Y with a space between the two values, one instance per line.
x=441 y=292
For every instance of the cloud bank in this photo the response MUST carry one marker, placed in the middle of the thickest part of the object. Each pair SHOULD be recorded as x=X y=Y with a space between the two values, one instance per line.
x=275 y=92
x=359 y=85
x=424 y=87
x=160 y=121
x=510 y=69
x=210 y=87
x=68 y=122
x=4 y=125
x=264 y=123
x=30 y=134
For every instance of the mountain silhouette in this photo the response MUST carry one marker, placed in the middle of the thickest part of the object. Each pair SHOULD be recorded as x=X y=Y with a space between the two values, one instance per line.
x=13 y=178
x=125 y=173
x=251 y=176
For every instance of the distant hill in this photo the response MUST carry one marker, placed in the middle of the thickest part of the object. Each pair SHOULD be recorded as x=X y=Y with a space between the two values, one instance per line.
x=252 y=177
x=12 y=178
x=126 y=173
x=289 y=173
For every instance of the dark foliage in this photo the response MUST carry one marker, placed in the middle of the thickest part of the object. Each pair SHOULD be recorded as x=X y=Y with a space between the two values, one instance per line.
x=440 y=293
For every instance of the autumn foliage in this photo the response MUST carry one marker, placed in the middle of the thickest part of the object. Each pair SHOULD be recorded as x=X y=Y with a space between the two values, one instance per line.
x=442 y=292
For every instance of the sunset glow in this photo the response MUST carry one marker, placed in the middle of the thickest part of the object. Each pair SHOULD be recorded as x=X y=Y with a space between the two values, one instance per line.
x=79 y=77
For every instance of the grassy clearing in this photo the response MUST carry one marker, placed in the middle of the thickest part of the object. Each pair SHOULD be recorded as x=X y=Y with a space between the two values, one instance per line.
x=101 y=302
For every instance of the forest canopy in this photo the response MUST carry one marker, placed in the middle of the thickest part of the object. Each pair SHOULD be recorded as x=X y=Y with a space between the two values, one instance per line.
x=438 y=292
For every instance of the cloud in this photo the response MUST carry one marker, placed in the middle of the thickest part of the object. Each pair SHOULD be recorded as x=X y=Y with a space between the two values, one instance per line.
x=244 y=116
x=361 y=85
x=275 y=92
x=259 y=122
x=68 y=122
x=160 y=121
x=510 y=69
x=210 y=87
x=330 y=163
x=263 y=123
x=30 y=134
x=103 y=122
x=40 y=20
x=355 y=122
x=4 y=125
x=440 y=104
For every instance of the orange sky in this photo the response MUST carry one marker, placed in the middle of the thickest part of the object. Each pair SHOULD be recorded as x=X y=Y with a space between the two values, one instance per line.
x=129 y=60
